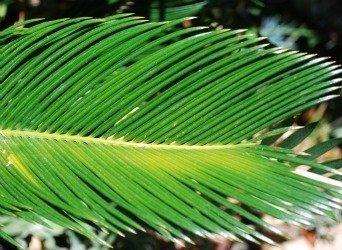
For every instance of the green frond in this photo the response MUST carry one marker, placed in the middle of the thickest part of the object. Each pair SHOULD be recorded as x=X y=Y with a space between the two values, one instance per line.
x=297 y=137
x=9 y=239
x=124 y=124
x=176 y=9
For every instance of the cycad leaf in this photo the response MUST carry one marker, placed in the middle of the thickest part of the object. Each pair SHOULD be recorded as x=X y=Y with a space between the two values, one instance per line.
x=175 y=9
x=8 y=238
x=298 y=136
x=322 y=148
x=271 y=140
x=335 y=164
x=272 y=135
x=123 y=124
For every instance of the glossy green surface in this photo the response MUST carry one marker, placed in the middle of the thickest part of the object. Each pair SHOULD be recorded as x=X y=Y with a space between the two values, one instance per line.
x=126 y=124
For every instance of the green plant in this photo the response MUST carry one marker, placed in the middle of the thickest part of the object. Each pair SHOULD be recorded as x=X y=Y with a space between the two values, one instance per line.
x=3 y=8
x=120 y=123
x=172 y=9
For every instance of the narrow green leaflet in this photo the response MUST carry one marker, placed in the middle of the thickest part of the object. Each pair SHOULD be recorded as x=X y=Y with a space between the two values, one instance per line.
x=175 y=9
x=274 y=134
x=297 y=137
x=324 y=147
x=335 y=164
x=123 y=124
x=9 y=239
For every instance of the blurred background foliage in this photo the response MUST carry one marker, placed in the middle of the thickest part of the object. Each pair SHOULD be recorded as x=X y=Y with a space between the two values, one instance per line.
x=313 y=26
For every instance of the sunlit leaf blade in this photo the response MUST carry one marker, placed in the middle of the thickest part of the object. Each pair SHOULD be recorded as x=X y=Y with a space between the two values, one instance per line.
x=123 y=124
x=167 y=172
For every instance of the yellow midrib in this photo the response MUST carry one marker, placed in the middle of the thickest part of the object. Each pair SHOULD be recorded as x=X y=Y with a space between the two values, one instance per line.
x=101 y=140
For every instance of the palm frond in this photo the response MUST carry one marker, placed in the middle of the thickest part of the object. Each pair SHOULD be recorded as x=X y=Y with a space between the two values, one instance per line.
x=161 y=10
x=170 y=10
x=121 y=124
x=9 y=239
